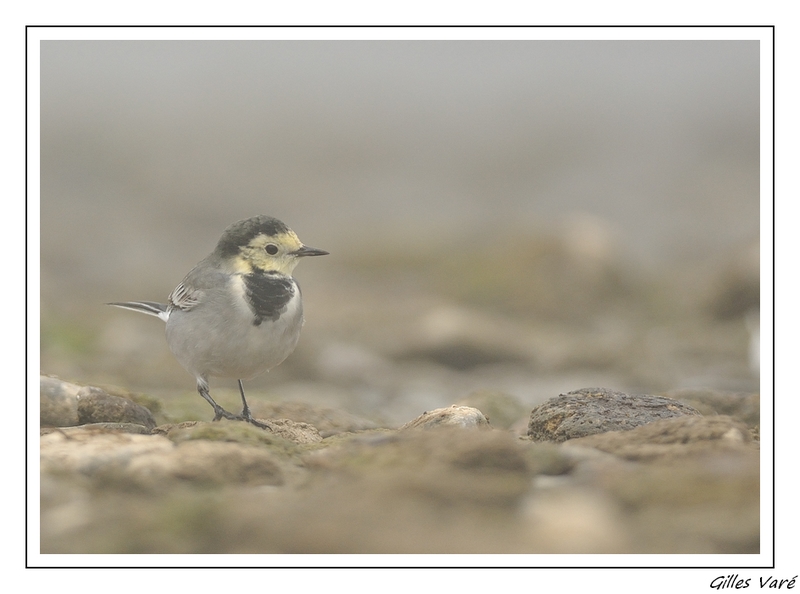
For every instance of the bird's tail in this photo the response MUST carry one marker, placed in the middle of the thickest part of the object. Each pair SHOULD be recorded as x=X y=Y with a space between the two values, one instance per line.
x=149 y=307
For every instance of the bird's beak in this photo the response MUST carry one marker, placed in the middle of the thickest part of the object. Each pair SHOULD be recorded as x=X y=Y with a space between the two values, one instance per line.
x=304 y=250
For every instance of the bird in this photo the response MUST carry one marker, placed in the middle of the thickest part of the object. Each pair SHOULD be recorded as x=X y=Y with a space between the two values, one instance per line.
x=239 y=312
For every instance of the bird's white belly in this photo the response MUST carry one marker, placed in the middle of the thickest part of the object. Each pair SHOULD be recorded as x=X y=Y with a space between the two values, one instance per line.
x=212 y=345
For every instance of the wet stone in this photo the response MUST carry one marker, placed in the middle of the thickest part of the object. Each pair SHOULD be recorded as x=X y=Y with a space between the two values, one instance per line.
x=589 y=411
x=97 y=406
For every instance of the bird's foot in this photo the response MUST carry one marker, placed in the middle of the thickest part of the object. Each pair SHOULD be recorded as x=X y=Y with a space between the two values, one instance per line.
x=246 y=416
x=221 y=413
x=258 y=424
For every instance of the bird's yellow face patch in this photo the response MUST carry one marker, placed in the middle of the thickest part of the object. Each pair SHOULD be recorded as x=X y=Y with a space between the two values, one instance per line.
x=269 y=252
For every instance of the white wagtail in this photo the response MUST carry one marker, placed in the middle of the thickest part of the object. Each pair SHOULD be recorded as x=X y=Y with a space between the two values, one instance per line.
x=238 y=313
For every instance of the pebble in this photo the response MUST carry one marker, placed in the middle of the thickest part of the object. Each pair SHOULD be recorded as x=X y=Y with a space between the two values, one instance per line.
x=451 y=416
x=598 y=410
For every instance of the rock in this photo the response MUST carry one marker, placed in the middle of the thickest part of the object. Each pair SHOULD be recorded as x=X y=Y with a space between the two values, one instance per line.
x=241 y=432
x=672 y=438
x=745 y=407
x=98 y=406
x=225 y=463
x=597 y=410
x=58 y=402
x=146 y=461
x=488 y=469
x=99 y=428
x=296 y=432
x=63 y=404
x=452 y=416
x=327 y=421
x=97 y=454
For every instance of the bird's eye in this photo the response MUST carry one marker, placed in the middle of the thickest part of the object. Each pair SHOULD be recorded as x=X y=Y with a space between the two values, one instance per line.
x=271 y=248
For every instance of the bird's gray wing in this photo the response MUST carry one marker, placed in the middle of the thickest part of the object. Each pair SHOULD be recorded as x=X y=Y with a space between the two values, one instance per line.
x=184 y=297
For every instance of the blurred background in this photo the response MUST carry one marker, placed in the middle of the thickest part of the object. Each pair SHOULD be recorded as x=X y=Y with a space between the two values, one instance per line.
x=515 y=217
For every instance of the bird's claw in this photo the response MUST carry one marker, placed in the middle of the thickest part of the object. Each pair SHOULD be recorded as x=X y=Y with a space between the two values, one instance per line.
x=246 y=416
x=221 y=413
x=258 y=424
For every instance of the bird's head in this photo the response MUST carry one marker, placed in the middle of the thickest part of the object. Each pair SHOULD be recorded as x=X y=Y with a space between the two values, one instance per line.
x=263 y=244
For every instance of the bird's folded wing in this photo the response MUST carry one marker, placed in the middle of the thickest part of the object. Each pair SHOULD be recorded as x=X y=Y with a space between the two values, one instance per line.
x=183 y=298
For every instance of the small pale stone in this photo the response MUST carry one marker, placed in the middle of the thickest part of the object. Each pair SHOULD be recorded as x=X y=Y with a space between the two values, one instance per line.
x=451 y=416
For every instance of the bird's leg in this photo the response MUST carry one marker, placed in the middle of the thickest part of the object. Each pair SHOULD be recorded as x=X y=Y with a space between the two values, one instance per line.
x=246 y=416
x=219 y=412
x=245 y=409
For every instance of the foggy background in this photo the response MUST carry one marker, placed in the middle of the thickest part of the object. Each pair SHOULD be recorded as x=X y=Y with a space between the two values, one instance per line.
x=522 y=216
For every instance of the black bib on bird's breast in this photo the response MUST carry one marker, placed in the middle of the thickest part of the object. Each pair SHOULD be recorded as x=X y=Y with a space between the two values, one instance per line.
x=268 y=294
